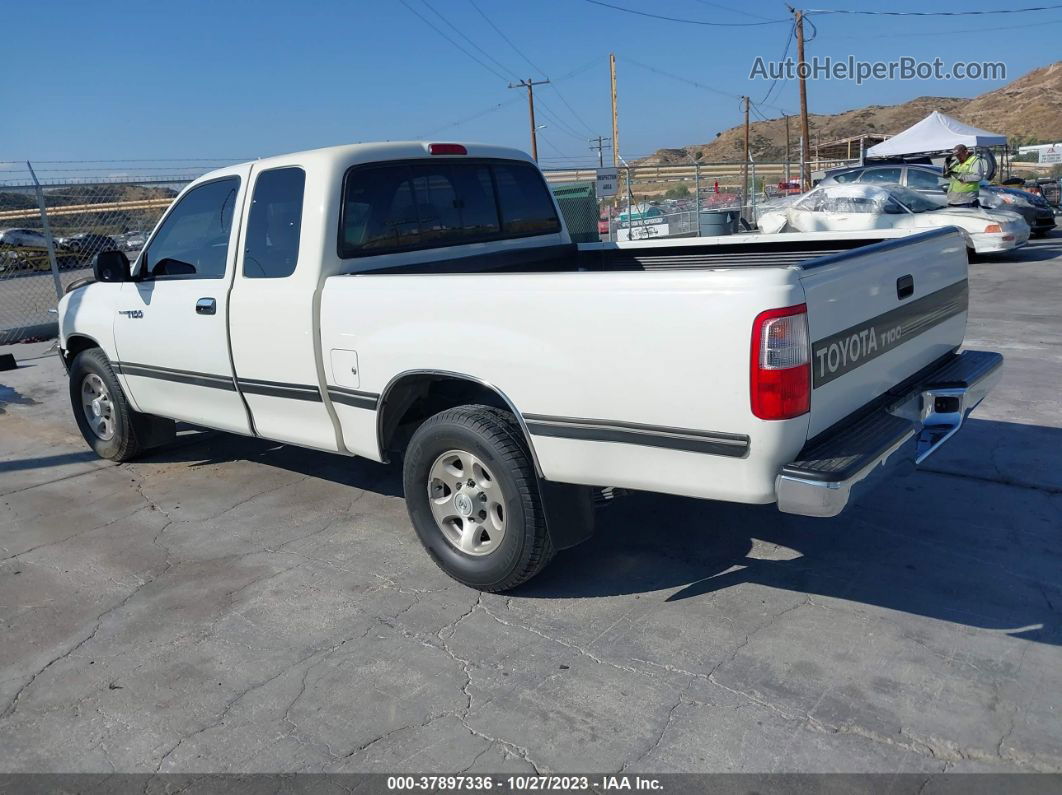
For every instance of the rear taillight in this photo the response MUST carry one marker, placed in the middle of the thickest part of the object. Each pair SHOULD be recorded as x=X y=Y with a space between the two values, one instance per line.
x=780 y=374
x=446 y=149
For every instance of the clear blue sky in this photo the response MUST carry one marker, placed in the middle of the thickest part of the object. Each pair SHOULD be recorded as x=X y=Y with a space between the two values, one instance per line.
x=235 y=79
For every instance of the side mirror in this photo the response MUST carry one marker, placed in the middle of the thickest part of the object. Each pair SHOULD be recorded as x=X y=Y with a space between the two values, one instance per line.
x=111 y=266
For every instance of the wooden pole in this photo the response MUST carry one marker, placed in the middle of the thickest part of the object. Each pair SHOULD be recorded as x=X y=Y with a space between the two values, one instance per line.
x=615 y=116
x=805 y=157
x=786 y=151
x=745 y=160
x=530 y=84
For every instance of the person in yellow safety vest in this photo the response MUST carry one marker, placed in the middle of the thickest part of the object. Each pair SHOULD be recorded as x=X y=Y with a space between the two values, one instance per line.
x=966 y=172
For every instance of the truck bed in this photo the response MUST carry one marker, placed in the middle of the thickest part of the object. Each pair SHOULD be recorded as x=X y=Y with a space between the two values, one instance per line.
x=734 y=251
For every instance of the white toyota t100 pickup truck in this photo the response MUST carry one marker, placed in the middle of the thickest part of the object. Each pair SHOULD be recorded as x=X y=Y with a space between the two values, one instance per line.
x=425 y=301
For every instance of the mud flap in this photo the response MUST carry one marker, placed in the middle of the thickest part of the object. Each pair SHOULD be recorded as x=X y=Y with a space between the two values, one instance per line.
x=569 y=513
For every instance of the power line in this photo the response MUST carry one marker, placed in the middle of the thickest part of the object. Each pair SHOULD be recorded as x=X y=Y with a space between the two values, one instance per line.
x=467 y=119
x=733 y=10
x=530 y=63
x=628 y=59
x=508 y=40
x=431 y=25
x=927 y=13
x=785 y=52
x=464 y=120
x=475 y=46
x=561 y=125
x=690 y=21
x=992 y=29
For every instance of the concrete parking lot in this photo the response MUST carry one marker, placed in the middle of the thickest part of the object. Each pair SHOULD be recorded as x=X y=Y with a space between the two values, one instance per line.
x=230 y=604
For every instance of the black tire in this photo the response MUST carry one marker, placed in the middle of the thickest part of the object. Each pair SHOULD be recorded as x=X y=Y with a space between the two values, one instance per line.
x=129 y=426
x=493 y=436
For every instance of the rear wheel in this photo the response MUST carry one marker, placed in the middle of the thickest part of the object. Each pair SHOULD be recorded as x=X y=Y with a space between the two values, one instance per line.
x=473 y=498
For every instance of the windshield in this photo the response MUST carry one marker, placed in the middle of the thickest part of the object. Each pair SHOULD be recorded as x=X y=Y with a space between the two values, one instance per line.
x=915 y=202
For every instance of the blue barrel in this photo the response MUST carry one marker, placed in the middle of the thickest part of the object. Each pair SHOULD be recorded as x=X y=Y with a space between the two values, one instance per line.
x=719 y=222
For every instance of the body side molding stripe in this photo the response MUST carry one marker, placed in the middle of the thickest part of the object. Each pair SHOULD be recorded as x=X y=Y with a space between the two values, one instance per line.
x=732 y=445
x=176 y=376
x=254 y=386
x=354 y=397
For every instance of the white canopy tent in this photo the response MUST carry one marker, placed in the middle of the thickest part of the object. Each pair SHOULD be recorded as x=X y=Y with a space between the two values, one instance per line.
x=935 y=133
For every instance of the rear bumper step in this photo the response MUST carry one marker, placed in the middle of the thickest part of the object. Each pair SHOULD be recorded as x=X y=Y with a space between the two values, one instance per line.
x=911 y=428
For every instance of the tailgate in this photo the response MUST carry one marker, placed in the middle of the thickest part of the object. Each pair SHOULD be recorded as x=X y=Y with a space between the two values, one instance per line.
x=878 y=315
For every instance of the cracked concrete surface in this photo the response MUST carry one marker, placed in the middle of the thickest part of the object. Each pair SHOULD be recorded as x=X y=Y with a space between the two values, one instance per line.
x=234 y=605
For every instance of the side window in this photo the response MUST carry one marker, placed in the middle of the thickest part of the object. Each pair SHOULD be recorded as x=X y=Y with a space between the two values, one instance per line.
x=194 y=238
x=848 y=176
x=923 y=180
x=525 y=204
x=881 y=175
x=274 y=224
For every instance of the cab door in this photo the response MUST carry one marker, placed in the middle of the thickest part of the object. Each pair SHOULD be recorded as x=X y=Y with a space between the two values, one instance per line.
x=272 y=306
x=171 y=332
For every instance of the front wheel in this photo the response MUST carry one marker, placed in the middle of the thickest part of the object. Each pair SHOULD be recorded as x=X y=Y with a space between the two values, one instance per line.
x=106 y=420
x=473 y=498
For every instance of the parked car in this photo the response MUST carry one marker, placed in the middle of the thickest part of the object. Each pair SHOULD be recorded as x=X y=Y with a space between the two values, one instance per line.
x=132 y=241
x=1030 y=206
x=512 y=371
x=23 y=238
x=855 y=207
x=87 y=244
x=921 y=178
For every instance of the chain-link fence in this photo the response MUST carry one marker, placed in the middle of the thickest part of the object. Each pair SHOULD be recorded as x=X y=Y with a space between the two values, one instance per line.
x=51 y=230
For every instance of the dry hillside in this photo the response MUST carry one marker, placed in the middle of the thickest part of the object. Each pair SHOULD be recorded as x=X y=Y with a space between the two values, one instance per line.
x=1030 y=107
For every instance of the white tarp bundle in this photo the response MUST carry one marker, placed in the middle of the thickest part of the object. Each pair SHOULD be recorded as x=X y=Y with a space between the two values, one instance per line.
x=935 y=133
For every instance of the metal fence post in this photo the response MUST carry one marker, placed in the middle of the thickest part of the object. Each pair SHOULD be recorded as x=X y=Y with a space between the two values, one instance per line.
x=47 y=233
x=697 y=184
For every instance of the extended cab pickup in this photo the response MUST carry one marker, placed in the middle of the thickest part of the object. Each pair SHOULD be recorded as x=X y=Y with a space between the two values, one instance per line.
x=424 y=301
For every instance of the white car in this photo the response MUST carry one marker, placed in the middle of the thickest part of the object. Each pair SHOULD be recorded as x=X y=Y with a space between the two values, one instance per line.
x=858 y=207
x=424 y=302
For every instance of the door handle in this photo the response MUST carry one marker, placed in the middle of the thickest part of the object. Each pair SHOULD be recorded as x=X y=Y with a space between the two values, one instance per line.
x=905 y=287
x=206 y=306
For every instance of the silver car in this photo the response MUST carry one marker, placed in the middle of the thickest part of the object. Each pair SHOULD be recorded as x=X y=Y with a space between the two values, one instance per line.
x=23 y=238
x=924 y=179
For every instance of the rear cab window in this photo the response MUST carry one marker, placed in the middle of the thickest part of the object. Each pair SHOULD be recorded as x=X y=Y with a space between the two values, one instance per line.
x=424 y=204
x=274 y=224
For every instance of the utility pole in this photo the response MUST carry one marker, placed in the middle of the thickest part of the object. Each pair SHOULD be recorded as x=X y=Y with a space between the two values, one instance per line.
x=615 y=117
x=598 y=145
x=805 y=136
x=745 y=160
x=786 y=150
x=530 y=84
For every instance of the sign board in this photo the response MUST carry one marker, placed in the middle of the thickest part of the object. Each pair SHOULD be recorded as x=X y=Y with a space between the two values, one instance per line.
x=607 y=182
x=1050 y=155
x=642 y=232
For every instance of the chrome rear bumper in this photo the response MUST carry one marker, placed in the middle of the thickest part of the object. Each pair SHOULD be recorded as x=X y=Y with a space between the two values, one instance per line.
x=909 y=429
